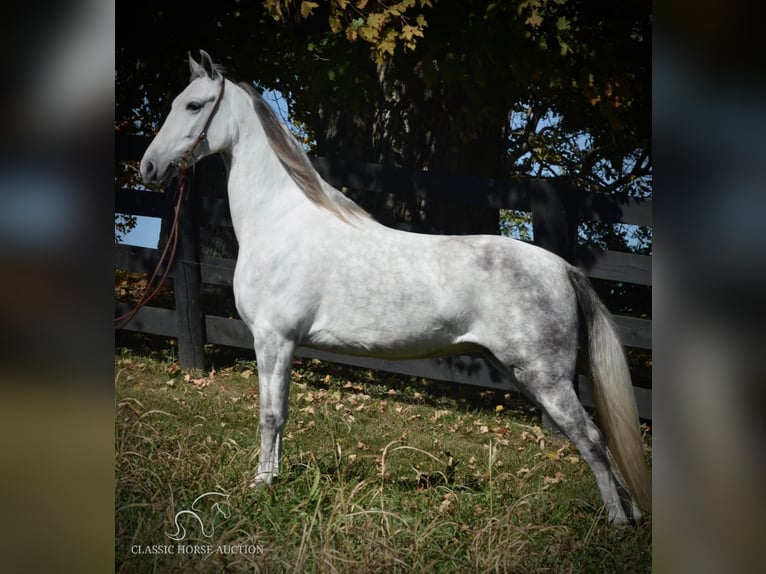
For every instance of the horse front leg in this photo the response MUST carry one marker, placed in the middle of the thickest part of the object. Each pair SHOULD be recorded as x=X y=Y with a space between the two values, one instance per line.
x=275 y=359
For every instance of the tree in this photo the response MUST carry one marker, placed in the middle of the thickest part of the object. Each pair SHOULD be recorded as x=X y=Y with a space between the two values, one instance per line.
x=551 y=88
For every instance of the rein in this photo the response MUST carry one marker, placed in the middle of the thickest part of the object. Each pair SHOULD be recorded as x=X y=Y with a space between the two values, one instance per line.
x=171 y=244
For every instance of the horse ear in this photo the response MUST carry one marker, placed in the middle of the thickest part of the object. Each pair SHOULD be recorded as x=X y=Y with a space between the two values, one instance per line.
x=204 y=68
x=196 y=70
x=207 y=65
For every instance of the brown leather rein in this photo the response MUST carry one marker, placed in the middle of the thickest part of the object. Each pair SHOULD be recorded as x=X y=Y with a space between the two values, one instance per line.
x=169 y=252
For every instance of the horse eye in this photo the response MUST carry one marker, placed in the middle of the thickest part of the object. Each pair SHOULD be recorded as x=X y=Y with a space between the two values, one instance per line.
x=194 y=106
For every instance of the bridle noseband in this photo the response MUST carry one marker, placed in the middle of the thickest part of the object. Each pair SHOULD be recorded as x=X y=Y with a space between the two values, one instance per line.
x=151 y=289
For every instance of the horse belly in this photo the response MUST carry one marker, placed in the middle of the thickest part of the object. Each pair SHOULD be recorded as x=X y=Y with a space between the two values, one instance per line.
x=393 y=318
x=389 y=344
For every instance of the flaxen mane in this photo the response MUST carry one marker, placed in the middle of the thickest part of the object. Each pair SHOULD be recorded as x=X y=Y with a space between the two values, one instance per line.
x=298 y=165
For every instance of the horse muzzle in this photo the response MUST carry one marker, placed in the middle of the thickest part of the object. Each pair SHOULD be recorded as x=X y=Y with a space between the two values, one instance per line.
x=152 y=174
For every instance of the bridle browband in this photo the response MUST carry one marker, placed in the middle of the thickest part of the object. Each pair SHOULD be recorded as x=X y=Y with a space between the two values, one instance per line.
x=151 y=289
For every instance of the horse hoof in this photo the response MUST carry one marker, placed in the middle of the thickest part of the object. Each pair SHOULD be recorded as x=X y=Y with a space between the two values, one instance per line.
x=262 y=481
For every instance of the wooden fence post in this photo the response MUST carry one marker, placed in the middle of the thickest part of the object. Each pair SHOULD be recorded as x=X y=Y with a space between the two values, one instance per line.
x=554 y=225
x=188 y=284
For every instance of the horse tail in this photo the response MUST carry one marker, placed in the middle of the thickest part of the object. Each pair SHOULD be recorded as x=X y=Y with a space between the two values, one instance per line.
x=613 y=393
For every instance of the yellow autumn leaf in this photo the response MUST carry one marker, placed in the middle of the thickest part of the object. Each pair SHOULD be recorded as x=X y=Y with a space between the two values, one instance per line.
x=376 y=21
x=335 y=24
x=368 y=33
x=307 y=8
x=534 y=20
x=409 y=31
x=387 y=47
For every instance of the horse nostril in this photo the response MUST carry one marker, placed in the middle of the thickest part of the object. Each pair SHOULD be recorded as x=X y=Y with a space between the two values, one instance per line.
x=148 y=170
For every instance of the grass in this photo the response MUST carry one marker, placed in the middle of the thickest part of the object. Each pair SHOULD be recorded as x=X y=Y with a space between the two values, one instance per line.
x=379 y=475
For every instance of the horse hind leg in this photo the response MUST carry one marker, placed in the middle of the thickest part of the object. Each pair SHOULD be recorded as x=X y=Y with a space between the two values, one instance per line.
x=556 y=396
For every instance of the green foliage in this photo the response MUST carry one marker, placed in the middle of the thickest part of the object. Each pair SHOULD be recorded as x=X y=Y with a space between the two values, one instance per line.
x=511 y=90
x=516 y=224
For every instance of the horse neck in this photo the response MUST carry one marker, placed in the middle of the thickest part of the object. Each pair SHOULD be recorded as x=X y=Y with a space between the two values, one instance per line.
x=261 y=192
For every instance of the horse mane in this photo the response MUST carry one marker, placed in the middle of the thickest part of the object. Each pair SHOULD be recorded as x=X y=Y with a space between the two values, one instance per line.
x=298 y=165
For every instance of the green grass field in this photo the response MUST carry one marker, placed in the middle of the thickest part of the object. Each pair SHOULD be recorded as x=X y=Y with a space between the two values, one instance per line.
x=380 y=474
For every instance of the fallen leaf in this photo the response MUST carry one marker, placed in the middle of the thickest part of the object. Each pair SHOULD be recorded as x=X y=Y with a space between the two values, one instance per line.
x=438 y=414
x=555 y=479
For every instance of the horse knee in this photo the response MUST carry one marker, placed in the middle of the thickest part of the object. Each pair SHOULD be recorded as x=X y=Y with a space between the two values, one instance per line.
x=272 y=420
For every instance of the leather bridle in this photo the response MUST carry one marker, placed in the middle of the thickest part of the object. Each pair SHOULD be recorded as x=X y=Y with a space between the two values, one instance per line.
x=171 y=244
x=202 y=134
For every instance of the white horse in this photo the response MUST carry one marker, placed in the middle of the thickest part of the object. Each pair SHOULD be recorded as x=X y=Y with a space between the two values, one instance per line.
x=314 y=269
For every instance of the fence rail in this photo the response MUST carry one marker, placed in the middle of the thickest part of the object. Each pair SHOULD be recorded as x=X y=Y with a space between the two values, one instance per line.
x=553 y=206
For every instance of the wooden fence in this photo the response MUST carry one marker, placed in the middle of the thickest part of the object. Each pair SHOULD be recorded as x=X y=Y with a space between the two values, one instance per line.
x=556 y=211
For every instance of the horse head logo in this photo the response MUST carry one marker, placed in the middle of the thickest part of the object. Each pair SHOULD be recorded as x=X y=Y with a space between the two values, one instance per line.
x=204 y=516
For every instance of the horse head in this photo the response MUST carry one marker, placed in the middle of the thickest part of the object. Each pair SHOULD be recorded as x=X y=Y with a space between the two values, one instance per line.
x=190 y=131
